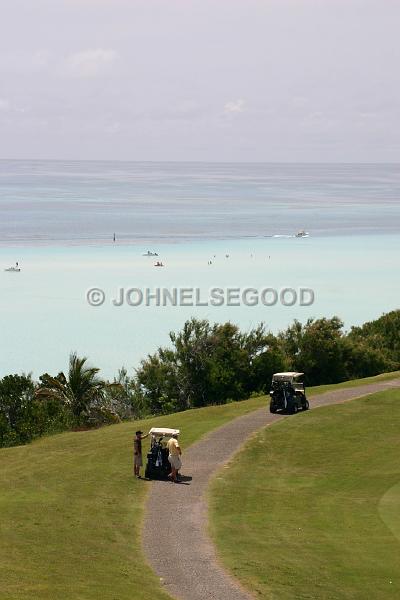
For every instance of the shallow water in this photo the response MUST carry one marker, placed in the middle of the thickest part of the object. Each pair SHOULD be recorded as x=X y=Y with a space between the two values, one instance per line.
x=58 y=218
x=45 y=313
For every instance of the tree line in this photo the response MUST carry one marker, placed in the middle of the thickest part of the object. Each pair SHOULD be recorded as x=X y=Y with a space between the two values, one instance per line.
x=205 y=364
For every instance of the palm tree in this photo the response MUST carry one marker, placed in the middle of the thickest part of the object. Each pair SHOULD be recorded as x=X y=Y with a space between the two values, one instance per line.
x=79 y=391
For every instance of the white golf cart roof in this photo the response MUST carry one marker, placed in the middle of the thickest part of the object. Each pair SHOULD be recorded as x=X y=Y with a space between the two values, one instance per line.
x=161 y=431
x=287 y=375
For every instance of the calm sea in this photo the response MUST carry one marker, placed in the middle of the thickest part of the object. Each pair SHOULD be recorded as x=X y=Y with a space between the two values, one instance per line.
x=87 y=202
x=57 y=219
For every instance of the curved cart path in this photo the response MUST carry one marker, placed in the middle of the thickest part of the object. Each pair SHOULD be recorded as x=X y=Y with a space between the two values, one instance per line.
x=175 y=529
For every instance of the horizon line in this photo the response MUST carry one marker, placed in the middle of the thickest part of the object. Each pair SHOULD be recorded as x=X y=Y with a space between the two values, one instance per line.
x=208 y=162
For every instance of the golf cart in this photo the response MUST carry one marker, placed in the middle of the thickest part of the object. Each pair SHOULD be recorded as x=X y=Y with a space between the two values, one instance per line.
x=158 y=466
x=288 y=393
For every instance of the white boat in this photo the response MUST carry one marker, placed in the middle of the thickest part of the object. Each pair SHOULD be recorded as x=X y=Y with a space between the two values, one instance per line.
x=148 y=253
x=302 y=234
x=158 y=264
x=13 y=269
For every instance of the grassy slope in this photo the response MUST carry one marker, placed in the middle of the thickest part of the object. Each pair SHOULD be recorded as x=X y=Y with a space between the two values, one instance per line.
x=310 y=509
x=71 y=511
x=320 y=389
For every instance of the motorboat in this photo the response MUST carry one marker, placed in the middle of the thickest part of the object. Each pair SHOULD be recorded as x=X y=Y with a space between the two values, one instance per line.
x=13 y=269
x=302 y=234
x=148 y=253
x=158 y=264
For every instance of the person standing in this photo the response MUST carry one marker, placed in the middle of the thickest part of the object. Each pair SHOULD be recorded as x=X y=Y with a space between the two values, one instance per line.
x=137 y=448
x=174 y=456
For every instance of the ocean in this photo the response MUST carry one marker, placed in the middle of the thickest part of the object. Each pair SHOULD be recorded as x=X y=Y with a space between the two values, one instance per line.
x=213 y=226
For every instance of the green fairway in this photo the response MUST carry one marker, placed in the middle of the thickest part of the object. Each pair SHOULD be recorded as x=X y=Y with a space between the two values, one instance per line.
x=71 y=511
x=320 y=389
x=311 y=508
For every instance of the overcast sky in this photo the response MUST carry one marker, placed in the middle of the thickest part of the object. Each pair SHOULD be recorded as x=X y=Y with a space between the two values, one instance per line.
x=242 y=80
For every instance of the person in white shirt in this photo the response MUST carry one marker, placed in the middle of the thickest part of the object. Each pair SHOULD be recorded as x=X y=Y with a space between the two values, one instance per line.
x=174 y=456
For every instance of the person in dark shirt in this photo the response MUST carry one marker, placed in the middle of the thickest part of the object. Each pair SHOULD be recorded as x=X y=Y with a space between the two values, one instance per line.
x=137 y=448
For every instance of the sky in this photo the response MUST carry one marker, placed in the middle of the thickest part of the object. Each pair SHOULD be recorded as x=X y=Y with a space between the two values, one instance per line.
x=201 y=80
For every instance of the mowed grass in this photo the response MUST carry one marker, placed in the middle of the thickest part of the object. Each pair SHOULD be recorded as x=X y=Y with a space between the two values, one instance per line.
x=71 y=511
x=321 y=389
x=311 y=508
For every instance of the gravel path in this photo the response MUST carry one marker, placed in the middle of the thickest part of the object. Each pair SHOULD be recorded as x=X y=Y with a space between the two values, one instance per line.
x=175 y=536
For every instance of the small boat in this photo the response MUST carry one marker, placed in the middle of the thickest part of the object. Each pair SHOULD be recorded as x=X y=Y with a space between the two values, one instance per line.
x=13 y=269
x=148 y=253
x=302 y=234
x=158 y=264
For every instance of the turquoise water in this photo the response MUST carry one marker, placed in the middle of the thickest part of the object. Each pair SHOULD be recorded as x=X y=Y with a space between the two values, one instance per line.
x=58 y=218
x=45 y=314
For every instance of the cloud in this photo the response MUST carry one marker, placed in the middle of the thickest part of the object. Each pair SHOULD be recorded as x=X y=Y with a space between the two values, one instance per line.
x=113 y=127
x=12 y=109
x=24 y=62
x=234 y=106
x=40 y=59
x=320 y=122
x=90 y=63
x=4 y=104
x=299 y=102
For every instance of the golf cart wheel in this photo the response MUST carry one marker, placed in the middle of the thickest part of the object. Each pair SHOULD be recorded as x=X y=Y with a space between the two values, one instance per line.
x=295 y=409
x=306 y=405
x=272 y=409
